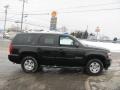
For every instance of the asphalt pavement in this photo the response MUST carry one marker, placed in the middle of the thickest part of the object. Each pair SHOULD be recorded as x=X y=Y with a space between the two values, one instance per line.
x=13 y=78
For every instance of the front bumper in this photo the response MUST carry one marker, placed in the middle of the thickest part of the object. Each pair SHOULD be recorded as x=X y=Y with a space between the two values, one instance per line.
x=107 y=63
x=14 y=58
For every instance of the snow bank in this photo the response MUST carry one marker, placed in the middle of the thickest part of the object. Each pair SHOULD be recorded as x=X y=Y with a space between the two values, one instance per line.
x=113 y=47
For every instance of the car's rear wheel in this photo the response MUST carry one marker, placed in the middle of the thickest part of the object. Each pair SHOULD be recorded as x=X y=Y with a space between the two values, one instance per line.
x=94 y=67
x=29 y=64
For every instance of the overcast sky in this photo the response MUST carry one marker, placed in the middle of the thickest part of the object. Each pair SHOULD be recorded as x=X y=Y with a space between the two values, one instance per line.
x=74 y=14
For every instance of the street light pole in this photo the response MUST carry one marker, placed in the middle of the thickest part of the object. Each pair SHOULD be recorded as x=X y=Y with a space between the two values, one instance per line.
x=6 y=8
x=22 y=15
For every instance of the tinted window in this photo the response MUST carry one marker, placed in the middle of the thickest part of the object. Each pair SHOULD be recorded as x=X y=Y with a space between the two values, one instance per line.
x=65 y=40
x=48 y=40
x=25 y=39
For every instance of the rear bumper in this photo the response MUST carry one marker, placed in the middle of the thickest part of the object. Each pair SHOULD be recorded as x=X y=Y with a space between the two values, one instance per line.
x=107 y=63
x=14 y=58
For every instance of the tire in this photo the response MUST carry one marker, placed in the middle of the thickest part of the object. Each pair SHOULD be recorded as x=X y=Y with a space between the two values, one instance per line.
x=94 y=67
x=29 y=64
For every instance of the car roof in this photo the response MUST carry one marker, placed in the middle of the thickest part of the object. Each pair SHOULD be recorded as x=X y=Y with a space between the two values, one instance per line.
x=48 y=33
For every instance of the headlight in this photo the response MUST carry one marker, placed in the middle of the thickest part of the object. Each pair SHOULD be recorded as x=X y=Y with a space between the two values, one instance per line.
x=109 y=55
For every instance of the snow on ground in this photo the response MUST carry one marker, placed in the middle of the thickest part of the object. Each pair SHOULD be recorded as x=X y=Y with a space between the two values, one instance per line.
x=113 y=47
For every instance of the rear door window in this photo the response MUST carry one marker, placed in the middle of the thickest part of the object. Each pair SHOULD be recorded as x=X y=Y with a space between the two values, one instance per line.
x=48 y=40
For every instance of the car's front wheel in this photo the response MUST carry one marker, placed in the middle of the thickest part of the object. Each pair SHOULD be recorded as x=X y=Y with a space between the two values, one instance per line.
x=29 y=64
x=94 y=67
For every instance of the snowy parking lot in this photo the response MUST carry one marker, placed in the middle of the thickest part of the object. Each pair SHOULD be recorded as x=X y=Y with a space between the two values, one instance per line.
x=113 y=47
x=11 y=76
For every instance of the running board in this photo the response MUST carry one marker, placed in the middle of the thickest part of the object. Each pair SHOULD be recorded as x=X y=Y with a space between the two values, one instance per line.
x=62 y=67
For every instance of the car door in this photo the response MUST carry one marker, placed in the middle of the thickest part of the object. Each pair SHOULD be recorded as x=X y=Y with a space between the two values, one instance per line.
x=48 y=49
x=70 y=54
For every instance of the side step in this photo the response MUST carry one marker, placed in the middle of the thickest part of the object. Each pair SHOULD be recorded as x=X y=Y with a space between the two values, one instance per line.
x=66 y=67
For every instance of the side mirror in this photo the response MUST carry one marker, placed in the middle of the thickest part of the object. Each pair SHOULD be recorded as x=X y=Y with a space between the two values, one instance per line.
x=76 y=44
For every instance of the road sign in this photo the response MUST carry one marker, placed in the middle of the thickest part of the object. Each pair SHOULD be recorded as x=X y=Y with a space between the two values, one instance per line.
x=53 y=21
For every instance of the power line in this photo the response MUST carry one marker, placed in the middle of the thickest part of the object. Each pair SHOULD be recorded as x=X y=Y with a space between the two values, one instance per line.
x=37 y=14
x=90 y=1
x=36 y=25
x=93 y=5
x=2 y=12
x=30 y=13
x=97 y=10
x=12 y=20
x=81 y=11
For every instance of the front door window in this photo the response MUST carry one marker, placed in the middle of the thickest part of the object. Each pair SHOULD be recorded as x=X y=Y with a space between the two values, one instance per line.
x=66 y=41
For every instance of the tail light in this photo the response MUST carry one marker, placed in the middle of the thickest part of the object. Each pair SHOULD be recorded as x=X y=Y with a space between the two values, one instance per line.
x=10 y=48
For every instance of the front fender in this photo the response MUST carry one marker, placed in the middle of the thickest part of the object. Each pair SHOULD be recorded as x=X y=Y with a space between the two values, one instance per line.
x=96 y=55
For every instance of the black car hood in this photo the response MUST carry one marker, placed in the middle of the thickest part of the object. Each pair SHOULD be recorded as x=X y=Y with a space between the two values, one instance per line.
x=96 y=48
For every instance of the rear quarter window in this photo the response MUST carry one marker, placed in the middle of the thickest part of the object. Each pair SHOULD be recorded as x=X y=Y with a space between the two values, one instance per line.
x=25 y=39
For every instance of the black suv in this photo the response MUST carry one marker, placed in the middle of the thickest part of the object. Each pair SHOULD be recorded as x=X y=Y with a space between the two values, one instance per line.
x=34 y=50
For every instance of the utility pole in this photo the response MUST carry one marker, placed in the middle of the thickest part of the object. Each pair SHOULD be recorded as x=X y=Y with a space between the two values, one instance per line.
x=6 y=9
x=22 y=15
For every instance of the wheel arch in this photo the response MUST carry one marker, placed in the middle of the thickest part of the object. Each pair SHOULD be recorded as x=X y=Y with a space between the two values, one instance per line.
x=94 y=56
x=23 y=54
